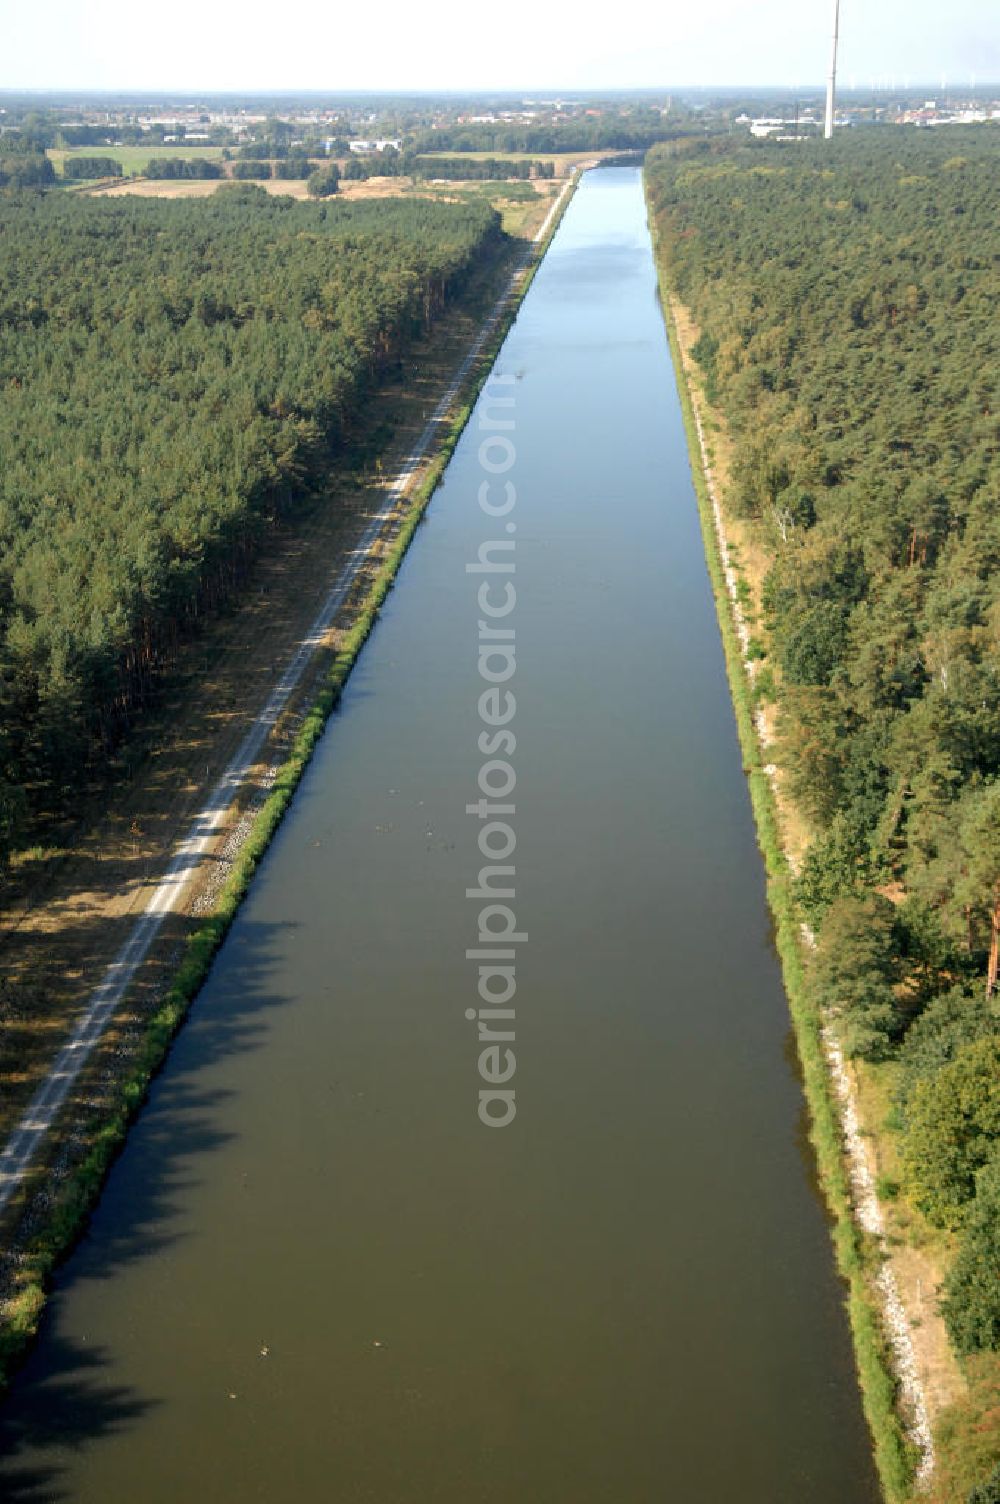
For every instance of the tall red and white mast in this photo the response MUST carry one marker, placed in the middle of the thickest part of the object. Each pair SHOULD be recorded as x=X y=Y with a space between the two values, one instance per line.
x=831 y=80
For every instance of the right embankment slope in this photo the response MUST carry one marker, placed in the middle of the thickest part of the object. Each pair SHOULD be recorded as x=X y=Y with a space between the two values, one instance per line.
x=833 y=302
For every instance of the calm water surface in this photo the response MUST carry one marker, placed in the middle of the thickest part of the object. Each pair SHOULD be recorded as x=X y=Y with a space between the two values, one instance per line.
x=627 y=1295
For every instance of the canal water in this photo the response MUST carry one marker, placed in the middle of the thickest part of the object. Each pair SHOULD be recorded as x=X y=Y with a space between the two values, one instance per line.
x=315 y=1274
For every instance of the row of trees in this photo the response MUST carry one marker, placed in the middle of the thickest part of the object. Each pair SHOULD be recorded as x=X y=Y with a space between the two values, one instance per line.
x=52 y=131
x=486 y=169
x=407 y=163
x=182 y=167
x=846 y=294
x=177 y=375
x=77 y=168
x=270 y=151
x=284 y=168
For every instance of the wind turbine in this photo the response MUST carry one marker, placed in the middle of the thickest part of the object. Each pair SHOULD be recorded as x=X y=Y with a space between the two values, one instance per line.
x=831 y=80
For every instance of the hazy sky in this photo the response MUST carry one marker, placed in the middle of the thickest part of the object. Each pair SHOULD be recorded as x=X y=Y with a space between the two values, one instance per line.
x=460 y=44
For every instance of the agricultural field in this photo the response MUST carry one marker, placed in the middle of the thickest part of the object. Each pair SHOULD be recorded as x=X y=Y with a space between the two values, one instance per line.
x=135 y=159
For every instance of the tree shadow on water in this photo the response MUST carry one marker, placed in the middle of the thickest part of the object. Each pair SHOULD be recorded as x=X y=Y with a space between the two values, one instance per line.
x=141 y=1209
x=66 y=1405
x=67 y=1395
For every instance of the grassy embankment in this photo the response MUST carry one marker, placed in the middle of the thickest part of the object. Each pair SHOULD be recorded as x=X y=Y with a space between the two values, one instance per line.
x=856 y=1257
x=71 y=1202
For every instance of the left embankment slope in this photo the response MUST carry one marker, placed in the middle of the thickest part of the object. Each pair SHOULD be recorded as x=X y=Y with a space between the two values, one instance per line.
x=181 y=838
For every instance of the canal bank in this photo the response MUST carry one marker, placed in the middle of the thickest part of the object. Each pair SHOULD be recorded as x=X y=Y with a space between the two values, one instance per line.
x=880 y=1328
x=53 y=1165
x=314 y=1271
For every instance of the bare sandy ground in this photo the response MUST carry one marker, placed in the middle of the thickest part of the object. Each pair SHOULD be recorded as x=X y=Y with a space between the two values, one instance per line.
x=291 y=188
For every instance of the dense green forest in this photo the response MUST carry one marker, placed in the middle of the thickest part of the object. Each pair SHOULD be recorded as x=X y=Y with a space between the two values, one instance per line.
x=175 y=376
x=846 y=295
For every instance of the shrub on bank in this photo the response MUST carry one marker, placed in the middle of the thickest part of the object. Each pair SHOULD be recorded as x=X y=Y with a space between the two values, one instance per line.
x=856 y=973
x=988 y=1492
x=971 y=1305
x=948 y=1023
x=952 y=1131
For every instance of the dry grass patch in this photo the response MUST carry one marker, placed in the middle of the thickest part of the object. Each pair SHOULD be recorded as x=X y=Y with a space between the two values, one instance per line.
x=196 y=187
x=920 y=1253
x=969 y=1434
x=752 y=559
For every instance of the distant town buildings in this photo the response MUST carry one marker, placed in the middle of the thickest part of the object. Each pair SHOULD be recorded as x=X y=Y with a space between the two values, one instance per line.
x=931 y=114
x=781 y=128
x=366 y=148
x=851 y=111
